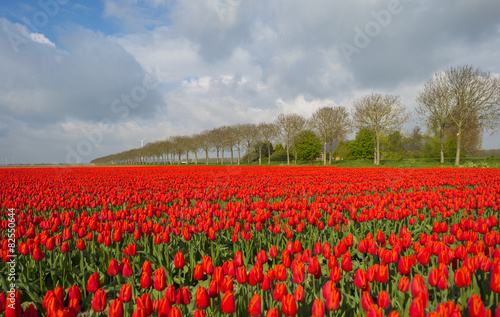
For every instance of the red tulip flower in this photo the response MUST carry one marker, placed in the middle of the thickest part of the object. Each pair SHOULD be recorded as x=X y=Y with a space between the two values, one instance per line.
x=318 y=308
x=273 y=312
x=93 y=283
x=254 y=308
x=288 y=305
x=179 y=260
x=99 y=301
x=113 y=267
x=160 y=279
x=383 y=299
x=227 y=303
x=475 y=306
x=298 y=295
x=202 y=299
x=126 y=293
x=116 y=308
x=164 y=307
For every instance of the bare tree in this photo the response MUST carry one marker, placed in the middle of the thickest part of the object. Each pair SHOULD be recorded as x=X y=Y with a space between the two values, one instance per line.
x=249 y=133
x=435 y=104
x=238 y=137
x=289 y=126
x=267 y=133
x=475 y=98
x=299 y=123
x=205 y=143
x=379 y=113
x=330 y=124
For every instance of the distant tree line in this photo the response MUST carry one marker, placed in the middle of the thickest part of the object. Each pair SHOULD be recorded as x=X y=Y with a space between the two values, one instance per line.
x=456 y=106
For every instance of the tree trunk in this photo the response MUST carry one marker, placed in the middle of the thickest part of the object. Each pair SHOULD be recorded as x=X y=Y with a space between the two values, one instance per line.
x=324 y=154
x=287 y=153
x=441 y=145
x=295 y=154
x=375 y=150
x=196 y=157
x=217 y=155
x=459 y=139
x=330 y=157
x=231 y=155
x=206 y=152
x=269 y=153
x=187 y=157
x=239 y=154
x=222 y=161
x=378 y=150
x=260 y=155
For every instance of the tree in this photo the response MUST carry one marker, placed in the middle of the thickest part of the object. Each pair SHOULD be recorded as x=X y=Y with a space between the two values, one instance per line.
x=435 y=105
x=267 y=133
x=249 y=132
x=307 y=146
x=413 y=143
x=287 y=126
x=381 y=114
x=475 y=98
x=205 y=143
x=393 y=146
x=330 y=124
x=362 y=146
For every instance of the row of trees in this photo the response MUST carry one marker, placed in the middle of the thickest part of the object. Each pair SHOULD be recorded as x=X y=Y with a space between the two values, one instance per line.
x=462 y=100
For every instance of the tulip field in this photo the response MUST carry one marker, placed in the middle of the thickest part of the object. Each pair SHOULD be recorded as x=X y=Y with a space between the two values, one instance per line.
x=249 y=241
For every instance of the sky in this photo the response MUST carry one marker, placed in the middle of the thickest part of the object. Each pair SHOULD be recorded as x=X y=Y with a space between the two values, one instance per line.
x=85 y=79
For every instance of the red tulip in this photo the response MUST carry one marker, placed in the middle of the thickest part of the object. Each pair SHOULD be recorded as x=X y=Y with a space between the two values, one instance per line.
x=279 y=292
x=254 y=308
x=199 y=313
x=241 y=275
x=116 y=308
x=273 y=312
x=382 y=274
x=160 y=279
x=175 y=312
x=298 y=295
x=333 y=299
x=417 y=308
x=213 y=289
x=198 y=272
x=80 y=245
x=360 y=279
x=227 y=303
x=126 y=293
x=202 y=299
x=93 y=283
x=404 y=284
x=318 y=308
x=65 y=247
x=273 y=252
x=475 y=306
x=37 y=254
x=183 y=296
x=288 y=305
x=179 y=260
x=346 y=263
x=99 y=301
x=74 y=293
x=366 y=301
x=164 y=307
x=146 y=280
x=375 y=311
x=113 y=267
x=383 y=299
x=29 y=312
x=145 y=304
x=127 y=269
